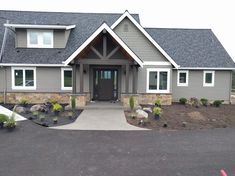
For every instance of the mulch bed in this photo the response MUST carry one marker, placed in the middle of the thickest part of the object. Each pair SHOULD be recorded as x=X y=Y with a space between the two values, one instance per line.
x=179 y=117
x=63 y=117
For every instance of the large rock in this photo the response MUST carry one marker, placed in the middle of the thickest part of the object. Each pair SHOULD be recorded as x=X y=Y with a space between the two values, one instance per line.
x=67 y=108
x=141 y=114
x=147 y=109
x=19 y=109
x=38 y=107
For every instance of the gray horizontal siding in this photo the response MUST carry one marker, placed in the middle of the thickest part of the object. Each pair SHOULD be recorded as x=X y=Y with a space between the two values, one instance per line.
x=141 y=46
x=221 y=90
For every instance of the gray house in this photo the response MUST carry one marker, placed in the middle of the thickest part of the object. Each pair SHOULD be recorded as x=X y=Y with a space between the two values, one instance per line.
x=103 y=56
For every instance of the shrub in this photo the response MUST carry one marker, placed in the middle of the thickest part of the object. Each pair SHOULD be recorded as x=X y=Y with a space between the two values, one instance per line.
x=183 y=101
x=132 y=103
x=158 y=103
x=24 y=101
x=42 y=117
x=73 y=102
x=157 y=111
x=57 y=107
x=3 y=118
x=10 y=123
x=204 y=101
x=217 y=103
x=53 y=101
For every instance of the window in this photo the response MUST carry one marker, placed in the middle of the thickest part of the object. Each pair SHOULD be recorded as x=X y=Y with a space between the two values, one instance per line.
x=158 y=80
x=39 y=39
x=208 y=78
x=66 y=78
x=182 y=78
x=24 y=78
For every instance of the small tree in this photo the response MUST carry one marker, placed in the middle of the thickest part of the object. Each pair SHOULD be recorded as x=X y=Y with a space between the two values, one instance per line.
x=73 y=102
x=132 y=103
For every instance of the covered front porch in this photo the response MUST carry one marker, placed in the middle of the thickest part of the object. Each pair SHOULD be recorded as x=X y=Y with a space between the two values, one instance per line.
x=104 y=70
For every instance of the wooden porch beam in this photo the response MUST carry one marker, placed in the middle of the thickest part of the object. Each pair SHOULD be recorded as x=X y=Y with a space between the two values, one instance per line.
x=74 y=68
x=81 y=78
x=127 y=78
x=97 y=52
x=135 y=77
x=104 y=46
x=113 y=52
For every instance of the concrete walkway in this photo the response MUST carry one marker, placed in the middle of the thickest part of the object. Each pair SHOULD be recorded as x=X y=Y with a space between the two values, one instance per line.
x=7 y=112
x=100 y=119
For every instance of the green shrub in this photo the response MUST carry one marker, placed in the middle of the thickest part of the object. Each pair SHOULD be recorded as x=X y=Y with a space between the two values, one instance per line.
x=183 y=101
x=204 y=101
x=42 y=117
x=158 y=103
x=157 y=111
x=3 y=118
x=73 y=102
x=132 y=103
x=24 y=101
x=57 y=107
x=10 y=123
x=217 y=103
x=53 y=101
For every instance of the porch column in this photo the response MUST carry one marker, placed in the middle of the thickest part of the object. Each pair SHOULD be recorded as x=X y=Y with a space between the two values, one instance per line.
x=134 y=83
x=74 y=68
x=81 y=78
x=127 y=78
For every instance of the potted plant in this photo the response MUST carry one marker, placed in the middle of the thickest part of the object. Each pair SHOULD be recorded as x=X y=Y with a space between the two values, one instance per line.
x=57 y=108
x=10 y=124
x=3 y=119
x=157 y=111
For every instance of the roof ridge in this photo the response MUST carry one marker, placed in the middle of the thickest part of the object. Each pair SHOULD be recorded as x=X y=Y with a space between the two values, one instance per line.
x=32 y=11
x=175 y=28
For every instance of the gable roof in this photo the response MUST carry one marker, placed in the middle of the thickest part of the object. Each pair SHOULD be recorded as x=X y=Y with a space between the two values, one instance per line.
x=94 y=35
x=86 y=24
x=127 y=15
x=192 y=48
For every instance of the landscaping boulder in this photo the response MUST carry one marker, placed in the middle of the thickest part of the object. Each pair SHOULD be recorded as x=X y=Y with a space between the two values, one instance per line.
x=141 y=114
x=148 y=110
x=20 y=109
x=39 y=107
x=138 y=107
x=68 y=107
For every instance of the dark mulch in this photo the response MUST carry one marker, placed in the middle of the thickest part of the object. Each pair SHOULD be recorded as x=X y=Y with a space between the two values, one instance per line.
x=64 y=117
x=194 y=118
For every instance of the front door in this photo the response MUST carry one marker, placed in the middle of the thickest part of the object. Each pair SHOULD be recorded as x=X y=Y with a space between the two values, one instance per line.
x=105 y=84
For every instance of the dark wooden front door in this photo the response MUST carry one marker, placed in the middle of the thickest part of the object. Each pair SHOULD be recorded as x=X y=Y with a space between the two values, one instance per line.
x=105 y=84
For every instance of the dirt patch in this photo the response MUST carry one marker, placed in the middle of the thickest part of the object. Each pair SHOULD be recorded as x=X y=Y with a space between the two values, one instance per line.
x=178 y=116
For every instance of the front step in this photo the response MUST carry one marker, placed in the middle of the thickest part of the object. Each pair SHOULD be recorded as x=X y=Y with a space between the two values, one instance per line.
x=104 y=105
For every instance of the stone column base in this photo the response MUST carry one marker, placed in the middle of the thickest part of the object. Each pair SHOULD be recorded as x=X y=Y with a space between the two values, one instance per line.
x=81 y=99
x=146 y=98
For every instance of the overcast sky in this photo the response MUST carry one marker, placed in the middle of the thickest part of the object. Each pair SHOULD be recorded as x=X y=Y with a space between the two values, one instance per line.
x=219 y=15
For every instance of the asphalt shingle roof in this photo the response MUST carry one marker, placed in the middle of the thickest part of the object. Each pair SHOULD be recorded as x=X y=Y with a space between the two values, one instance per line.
x=192 y=47
x=86 y=24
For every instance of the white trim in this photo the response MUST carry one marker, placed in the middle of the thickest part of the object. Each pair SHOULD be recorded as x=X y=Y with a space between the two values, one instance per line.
x=206 y=68
x=156 y=63
x=98 y=31
x=40 y=43
x=32 y=65
x=23 y=87
x=126 y=14
x=158 y=70
x=62 y=78
x=178 y=78
x=36 y=26
x=204 y=79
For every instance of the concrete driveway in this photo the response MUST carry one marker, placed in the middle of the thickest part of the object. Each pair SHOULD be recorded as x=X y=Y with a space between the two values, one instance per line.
x=100 y=119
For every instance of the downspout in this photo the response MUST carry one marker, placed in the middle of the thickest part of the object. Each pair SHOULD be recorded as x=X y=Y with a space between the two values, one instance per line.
x=1 y=56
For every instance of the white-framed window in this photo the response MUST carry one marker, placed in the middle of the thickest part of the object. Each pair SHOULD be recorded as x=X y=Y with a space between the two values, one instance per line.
x=158 y=80
x=66 y=78
x=23 y=78
x=208 y=78
x=40 y=39
x=182 y=78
